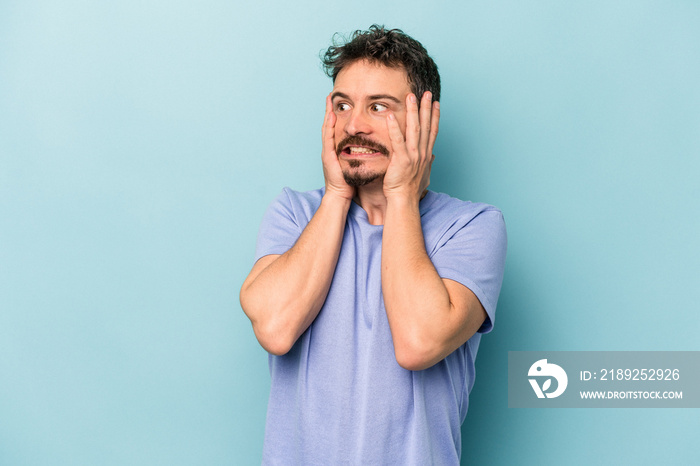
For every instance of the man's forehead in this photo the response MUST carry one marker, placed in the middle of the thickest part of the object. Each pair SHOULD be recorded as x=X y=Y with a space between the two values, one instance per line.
x=369 y=78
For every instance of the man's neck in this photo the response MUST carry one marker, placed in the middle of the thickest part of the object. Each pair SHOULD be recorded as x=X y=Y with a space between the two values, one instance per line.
x=371 y=198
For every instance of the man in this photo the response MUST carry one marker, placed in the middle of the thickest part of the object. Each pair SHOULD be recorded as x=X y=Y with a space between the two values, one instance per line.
x=371 y=293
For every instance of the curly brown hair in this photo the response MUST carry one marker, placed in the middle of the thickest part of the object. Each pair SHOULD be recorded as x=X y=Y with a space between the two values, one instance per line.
x=390 y=47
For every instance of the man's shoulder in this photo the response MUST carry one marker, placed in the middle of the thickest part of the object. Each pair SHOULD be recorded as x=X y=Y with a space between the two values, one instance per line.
x=446 y=219
x=292 y=195
x=441 y=206
x=284 y=220
x=300 y=203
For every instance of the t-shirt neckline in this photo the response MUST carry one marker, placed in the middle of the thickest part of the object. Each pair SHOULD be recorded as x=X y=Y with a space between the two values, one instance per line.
x=359 y=213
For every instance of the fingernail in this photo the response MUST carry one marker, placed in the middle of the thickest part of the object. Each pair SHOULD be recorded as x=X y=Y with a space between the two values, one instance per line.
x=437 y=105
x=428 y=95
x=412 y=98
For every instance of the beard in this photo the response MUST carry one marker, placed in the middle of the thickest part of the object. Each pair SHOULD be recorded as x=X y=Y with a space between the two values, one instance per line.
x=354 y=175
x=356 y=178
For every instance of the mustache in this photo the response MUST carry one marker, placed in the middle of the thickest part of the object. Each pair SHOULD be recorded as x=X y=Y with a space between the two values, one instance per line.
x=361 y=141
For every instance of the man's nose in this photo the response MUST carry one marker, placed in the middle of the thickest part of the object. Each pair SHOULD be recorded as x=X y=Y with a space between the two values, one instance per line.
x=358 y=123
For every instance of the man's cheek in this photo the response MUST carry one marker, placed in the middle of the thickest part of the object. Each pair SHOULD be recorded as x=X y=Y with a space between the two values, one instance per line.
x=339 y=135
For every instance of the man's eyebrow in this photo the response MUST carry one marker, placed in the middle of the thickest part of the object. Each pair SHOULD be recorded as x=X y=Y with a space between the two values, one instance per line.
x=384 y=97
x=371 y=97
x=339 y=94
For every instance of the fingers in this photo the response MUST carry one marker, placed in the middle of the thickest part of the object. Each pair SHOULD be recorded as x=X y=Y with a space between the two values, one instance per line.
x=425 y=122
x=398 y=143
x=421 y=124
x=411 y=147
x=434 y=125
x=328 y=134
x=412 y=124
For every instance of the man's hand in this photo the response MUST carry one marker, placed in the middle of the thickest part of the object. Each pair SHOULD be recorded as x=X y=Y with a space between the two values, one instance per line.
x=335 y=182
x=408 y=173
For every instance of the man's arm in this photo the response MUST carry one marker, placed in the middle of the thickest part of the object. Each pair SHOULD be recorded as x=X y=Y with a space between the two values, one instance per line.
x=430 y=317
x=283 y=294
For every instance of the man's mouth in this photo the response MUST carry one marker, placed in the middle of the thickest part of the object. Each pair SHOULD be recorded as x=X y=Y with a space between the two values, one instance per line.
x=355 y=150
x=359 y=146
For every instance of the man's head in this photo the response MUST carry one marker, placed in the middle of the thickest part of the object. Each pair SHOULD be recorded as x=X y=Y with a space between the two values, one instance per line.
x=373 y=73
x=391 y=48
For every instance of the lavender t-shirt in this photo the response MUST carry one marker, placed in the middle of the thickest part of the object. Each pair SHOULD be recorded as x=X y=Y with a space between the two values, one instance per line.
x=339 y=396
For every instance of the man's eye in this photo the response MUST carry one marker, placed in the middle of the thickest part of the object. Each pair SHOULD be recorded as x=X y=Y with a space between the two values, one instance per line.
x=342 y=107
x=378 y=107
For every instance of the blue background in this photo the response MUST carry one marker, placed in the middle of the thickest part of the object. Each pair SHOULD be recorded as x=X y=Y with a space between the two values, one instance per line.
x=140 y=143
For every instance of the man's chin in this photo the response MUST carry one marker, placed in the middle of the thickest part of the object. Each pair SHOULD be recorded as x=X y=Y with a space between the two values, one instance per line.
x=356 y=179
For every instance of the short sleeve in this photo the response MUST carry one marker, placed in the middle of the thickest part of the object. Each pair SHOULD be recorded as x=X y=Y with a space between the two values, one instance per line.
x=279 y=229
x=473 y=253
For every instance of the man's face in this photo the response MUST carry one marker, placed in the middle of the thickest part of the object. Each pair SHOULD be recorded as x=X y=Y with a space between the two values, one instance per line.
x=363 y=95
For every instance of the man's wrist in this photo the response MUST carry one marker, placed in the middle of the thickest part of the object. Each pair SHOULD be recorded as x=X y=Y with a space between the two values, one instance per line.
x=404 y=199
x=335 y=200
x=406 y=202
